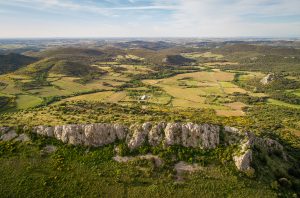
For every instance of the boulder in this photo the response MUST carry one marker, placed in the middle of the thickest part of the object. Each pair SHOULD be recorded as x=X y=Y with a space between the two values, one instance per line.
x=10 y=135
x=48 y=149
x=22 y=138
x=243 y=157
x=232 y=135
x=229 y=129
x=267 y=79
x=243 y=161
x=4 y=130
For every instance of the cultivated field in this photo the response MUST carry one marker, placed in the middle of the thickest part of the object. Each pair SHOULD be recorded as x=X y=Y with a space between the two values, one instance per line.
x=202 y=90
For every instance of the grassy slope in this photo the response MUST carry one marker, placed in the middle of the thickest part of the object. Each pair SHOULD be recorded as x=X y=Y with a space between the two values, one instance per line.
x=12 y=62
x=27 y=101
x=82 y=172
x=280 y=103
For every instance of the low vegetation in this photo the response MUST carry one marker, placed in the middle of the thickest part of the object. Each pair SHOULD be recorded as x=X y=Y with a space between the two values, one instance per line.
x=135 y=82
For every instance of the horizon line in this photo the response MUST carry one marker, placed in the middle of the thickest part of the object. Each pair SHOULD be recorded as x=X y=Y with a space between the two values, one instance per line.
x=155 y=37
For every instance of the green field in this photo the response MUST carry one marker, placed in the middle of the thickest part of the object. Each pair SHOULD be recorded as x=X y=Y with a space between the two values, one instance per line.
x=27 y=101
x=201 y=90
x=203 y=55
x=280 y=103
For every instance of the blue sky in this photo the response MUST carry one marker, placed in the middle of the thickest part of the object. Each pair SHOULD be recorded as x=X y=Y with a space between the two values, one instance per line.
x=149 y=18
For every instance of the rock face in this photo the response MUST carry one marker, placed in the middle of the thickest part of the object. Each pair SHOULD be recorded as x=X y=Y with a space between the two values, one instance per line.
x=22 y=138
x=8 y=134
x=3 y=130
x=88 y=134
x=138 y=134
x=267 y=79
x=204 y=136
x=243 y=161
x=243 y=158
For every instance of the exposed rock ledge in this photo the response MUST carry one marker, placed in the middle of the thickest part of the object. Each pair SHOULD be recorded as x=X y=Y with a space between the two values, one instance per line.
x=204 y=136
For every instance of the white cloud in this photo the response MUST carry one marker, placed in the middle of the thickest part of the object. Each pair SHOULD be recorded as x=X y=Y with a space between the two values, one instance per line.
x=213 y=18
x=197 y=18
x=88 y=7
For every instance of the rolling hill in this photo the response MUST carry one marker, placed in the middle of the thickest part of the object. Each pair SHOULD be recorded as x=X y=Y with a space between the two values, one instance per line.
x=12 y=62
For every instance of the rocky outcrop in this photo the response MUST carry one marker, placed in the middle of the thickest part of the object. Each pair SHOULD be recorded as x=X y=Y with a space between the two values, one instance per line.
x=232 y=135
x=8 y=134
x=243 y=158
x=48 y=149
x=86 y=134
x=267 y=79
x=243 y=161
x=3 y=130
x=137 y=135
x=22 y=138
x=157 y=134
x=204 y=136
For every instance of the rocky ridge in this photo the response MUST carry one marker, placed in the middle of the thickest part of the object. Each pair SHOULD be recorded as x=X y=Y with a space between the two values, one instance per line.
x=203 y=136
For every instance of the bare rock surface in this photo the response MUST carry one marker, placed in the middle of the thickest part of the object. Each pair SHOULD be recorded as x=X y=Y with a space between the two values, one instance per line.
x=157 y=134
x=192 y=135
x=203 y=136
x=183 y=167
x=49 y=149
x=10 y=135
x=22 y=138
x=44 y=130
x=138 y=135
x=88 y=134
x=267 y=79
x=244 y=158
x=243 y=161
x=3 y=130
x=123 y=159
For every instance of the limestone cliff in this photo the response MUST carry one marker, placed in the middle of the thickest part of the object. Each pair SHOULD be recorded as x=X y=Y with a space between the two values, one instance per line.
x=203 y=136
